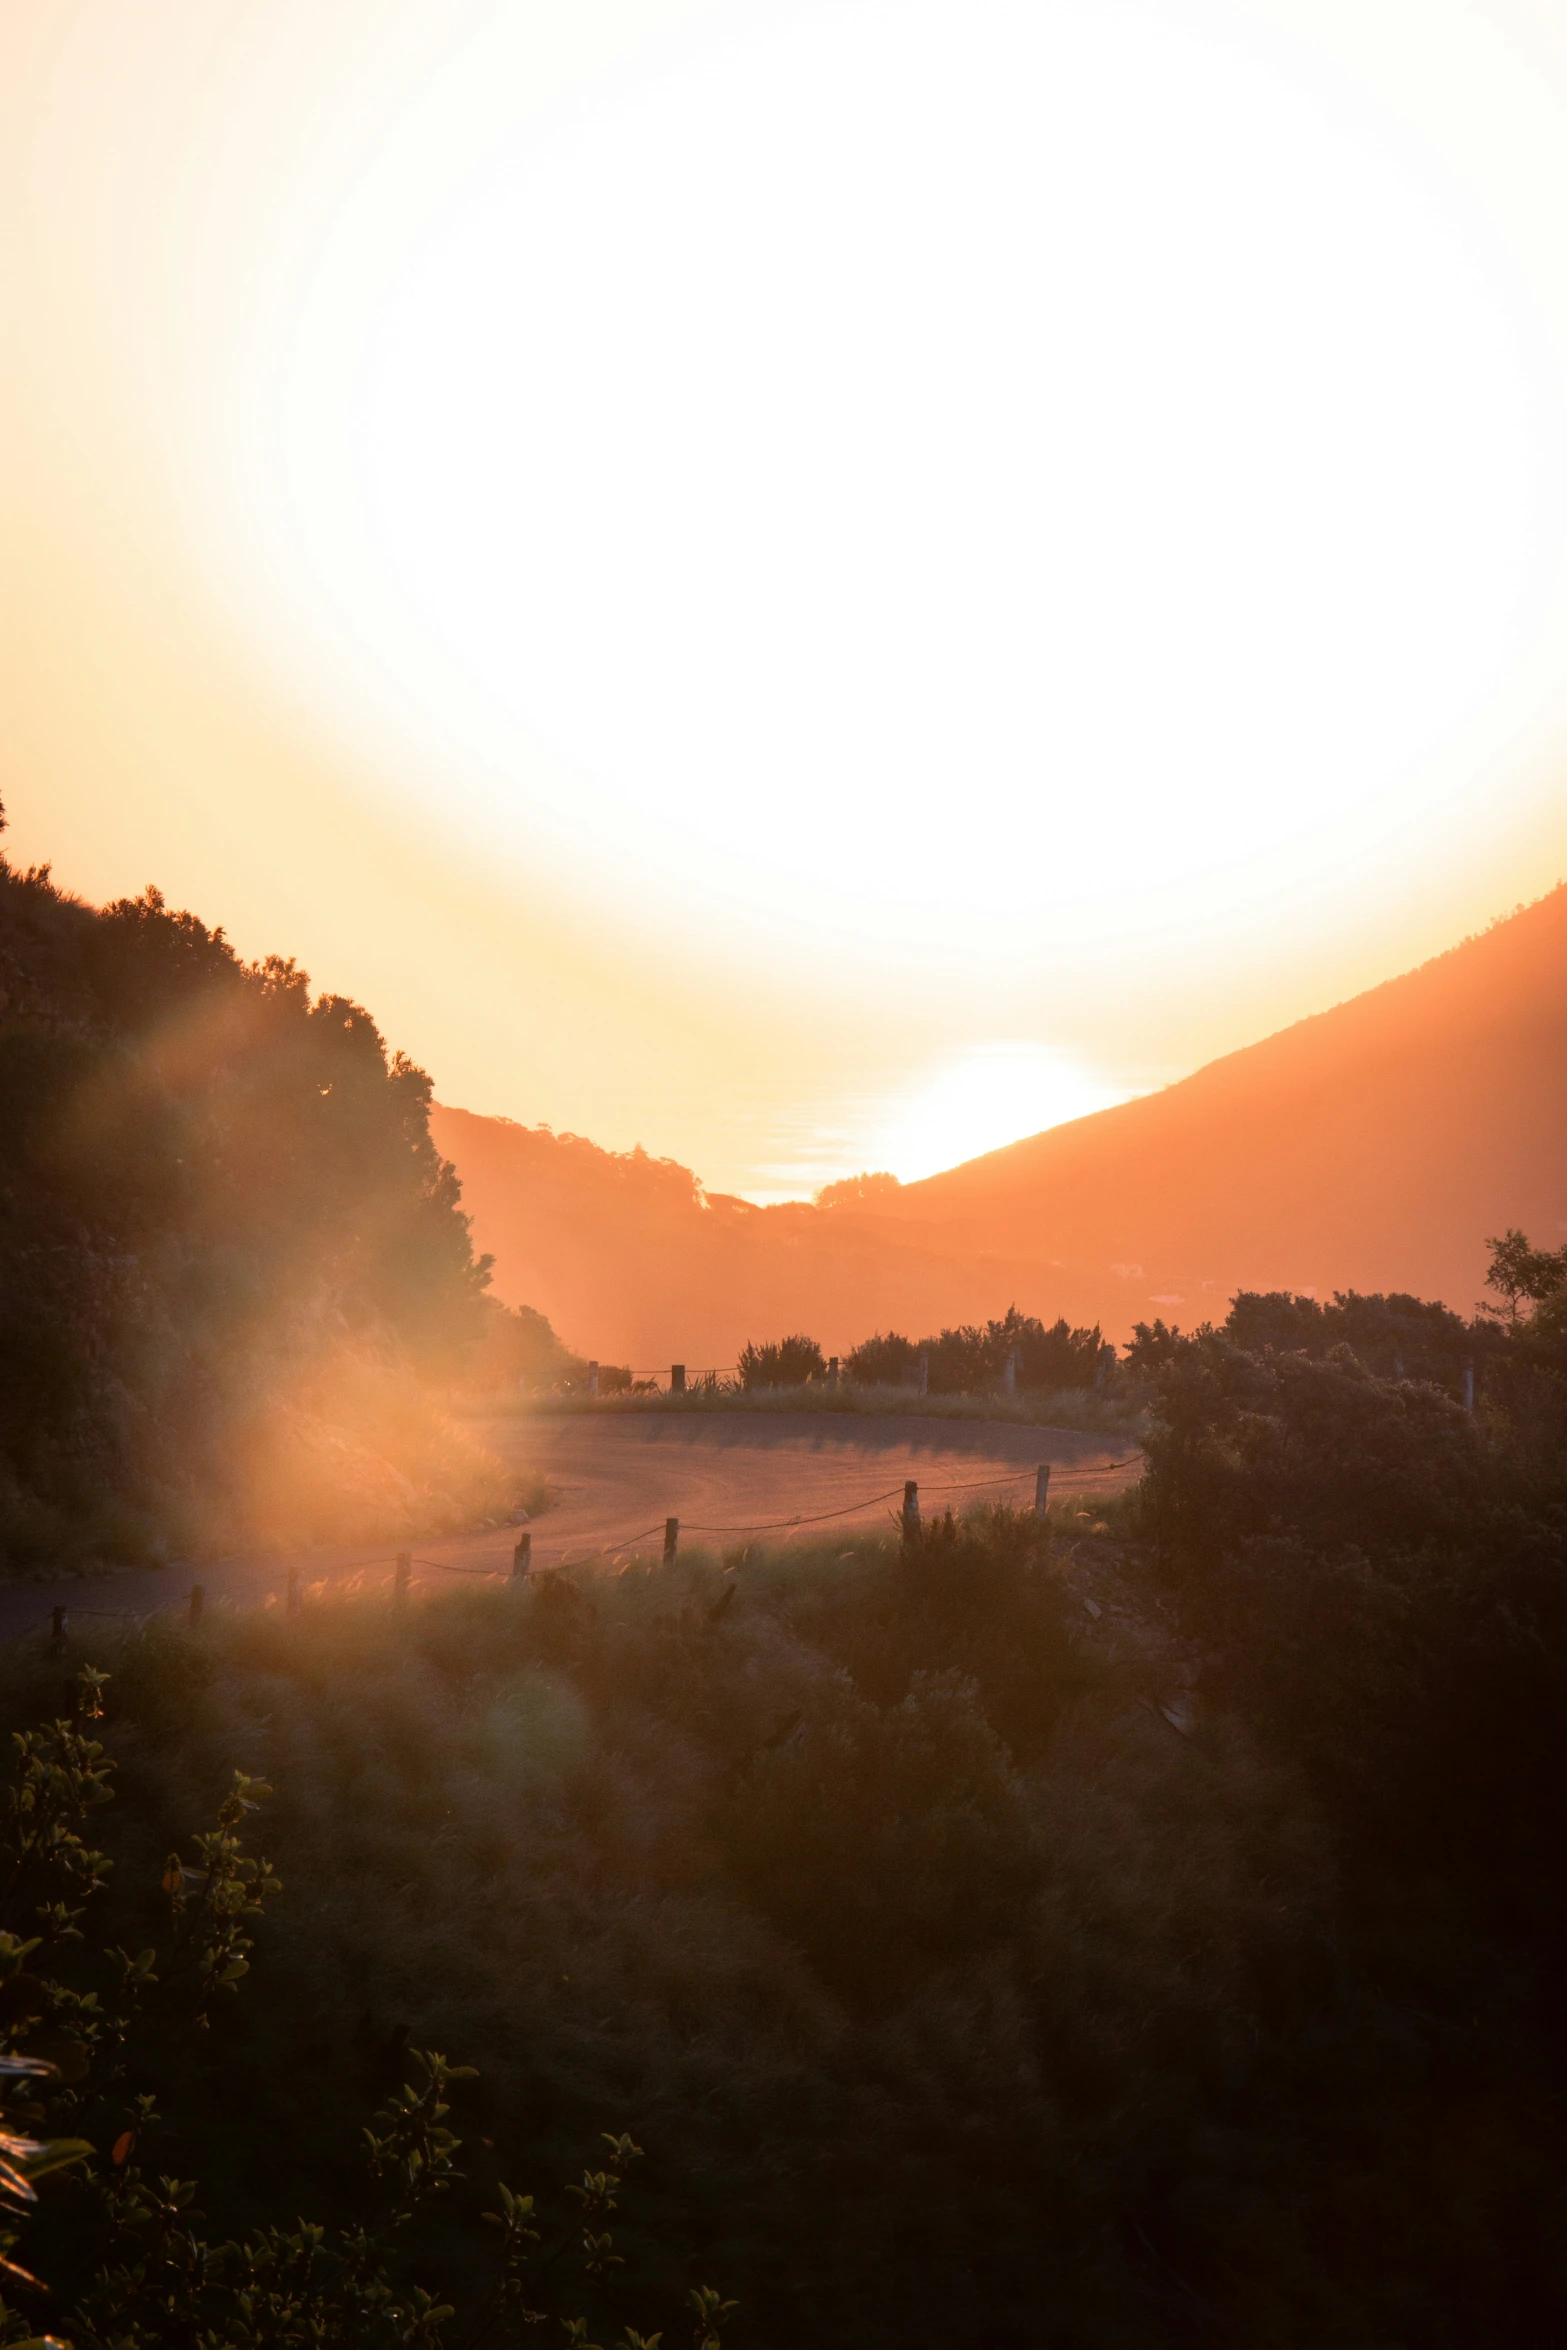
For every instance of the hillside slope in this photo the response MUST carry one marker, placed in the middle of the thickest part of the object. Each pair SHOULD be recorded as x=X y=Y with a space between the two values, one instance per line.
x=1373 y=1146
x=633 y=1262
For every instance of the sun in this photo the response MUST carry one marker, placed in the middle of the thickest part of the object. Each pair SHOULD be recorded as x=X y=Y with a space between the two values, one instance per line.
x=969 y=483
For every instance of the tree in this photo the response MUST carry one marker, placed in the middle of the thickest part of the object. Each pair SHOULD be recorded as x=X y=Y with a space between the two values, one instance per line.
x=1521 y=1274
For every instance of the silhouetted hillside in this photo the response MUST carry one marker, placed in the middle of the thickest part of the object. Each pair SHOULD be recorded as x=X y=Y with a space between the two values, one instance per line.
x=1372 y=1147
x=1367 y=1148
x=633 y=1261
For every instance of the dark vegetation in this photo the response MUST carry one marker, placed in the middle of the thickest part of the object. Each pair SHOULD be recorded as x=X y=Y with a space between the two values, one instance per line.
x=1143 y=1929
x=976 y=1967
x=232 y=1263
x=791 y=1362
x=974 y=1359
x=132 y=2267
x=1396 y=1337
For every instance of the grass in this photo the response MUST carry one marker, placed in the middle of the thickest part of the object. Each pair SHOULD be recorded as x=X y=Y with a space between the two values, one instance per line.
x=1071 y=1407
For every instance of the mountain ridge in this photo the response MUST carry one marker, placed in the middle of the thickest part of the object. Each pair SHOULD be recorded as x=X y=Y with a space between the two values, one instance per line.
x=1372 y=1145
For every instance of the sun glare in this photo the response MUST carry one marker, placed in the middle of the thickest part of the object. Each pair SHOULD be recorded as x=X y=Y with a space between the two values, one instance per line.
x=945 y=480
x=987 y=1097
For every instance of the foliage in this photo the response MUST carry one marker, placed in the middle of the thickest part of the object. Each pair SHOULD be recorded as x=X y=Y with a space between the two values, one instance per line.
x=1383 y=1579
x=974 y=1358
x=1141 y=1928
x=1151 y=1346
x=968 y=1995
x=1524 y=1275
x=790 y=1362
x=229 y=1251
x=1394 y=1336
x=132 y=2266
x=881 y=1361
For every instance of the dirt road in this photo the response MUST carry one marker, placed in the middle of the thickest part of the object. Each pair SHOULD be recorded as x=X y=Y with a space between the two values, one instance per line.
x=617 y=1478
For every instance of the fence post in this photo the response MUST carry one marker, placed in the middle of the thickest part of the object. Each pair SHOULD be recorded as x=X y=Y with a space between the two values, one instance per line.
x=924 y=1370
x=832 y=1370
x=58 y=1620
x=522 y=1557
x=1469 y=1384
x=1042 y=1490
x=911 y=1510
x=671 y=1540
x=401 y=1573
x=677 y=1378
x=1009 y=1373
x=1105 y=1366
x=198 y=1600
x=295 y=1603
x=593 y=1378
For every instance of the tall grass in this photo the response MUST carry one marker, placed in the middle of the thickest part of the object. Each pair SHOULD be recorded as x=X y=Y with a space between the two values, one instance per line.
x=1069 y=1407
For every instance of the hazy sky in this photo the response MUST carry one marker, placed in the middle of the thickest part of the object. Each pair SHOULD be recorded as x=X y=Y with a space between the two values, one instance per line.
x=810 y=584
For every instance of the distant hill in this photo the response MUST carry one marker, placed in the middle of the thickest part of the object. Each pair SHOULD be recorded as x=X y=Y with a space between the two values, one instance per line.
x=633 y=1262
x=1373 y=1146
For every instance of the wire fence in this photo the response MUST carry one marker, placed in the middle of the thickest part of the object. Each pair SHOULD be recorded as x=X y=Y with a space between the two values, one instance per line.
x=402 y=1562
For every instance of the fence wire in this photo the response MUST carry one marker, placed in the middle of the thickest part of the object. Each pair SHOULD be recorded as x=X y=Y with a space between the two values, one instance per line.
x=685 y=1526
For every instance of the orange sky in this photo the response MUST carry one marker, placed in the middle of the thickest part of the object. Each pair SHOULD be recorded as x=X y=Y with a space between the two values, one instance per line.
x=710 y=565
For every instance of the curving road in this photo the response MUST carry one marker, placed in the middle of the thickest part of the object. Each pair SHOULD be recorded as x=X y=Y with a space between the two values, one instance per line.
x=775 y=1474
x=616 y=1478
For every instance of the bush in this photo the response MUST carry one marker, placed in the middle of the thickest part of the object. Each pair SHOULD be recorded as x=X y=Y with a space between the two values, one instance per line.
x=881 y=1362
x=973 y=1359
x=1383 y=1580
x=1396 y=1337
x=792 y=1362
x=84 y=2023
x=981 y=1966
x=959 y=1996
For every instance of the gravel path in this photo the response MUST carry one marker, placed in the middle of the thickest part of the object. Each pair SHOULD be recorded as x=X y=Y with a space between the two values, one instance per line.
x=617 y=1478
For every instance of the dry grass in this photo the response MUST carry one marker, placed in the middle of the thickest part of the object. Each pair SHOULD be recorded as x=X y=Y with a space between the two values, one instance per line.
x=1071 y=1407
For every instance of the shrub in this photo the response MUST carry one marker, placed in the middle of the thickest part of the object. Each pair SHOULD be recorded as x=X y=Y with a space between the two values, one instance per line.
x=881 y=1361
x=1385 y=1593
x=972 y=1359
x=792 y=1362
x=83 y=2021
x=1396 y=1336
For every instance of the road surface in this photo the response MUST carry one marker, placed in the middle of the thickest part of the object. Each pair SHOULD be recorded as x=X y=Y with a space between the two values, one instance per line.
x=615 y=1478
